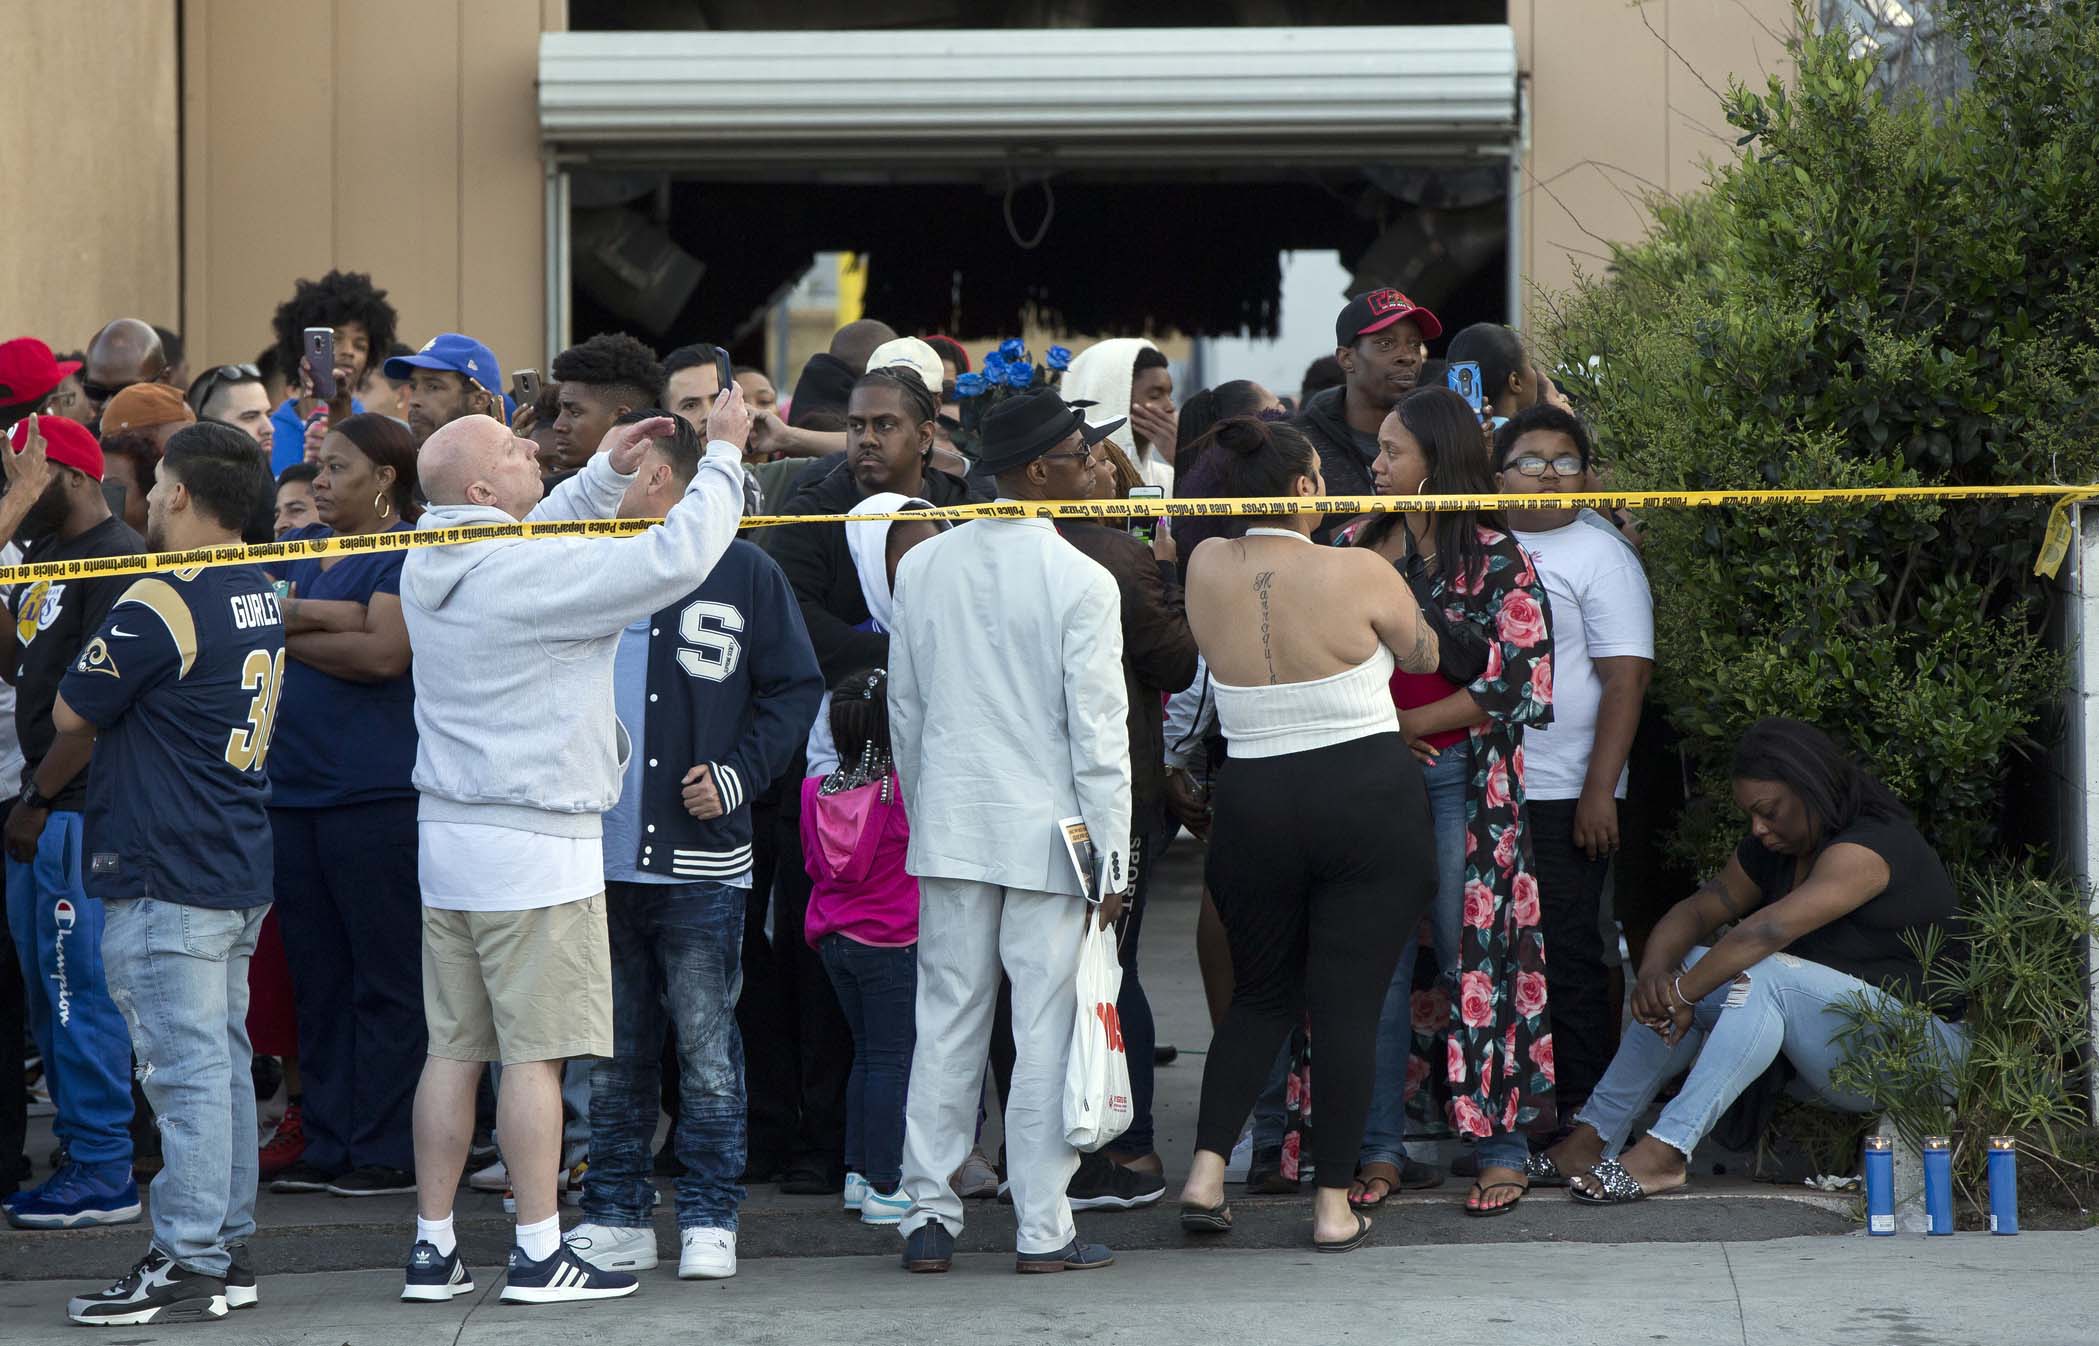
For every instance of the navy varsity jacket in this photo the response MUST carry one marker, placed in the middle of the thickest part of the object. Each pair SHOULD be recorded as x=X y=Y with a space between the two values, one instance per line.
x=733 y=683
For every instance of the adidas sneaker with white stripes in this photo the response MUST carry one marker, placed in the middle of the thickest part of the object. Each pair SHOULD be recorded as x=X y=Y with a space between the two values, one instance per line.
x=560 y=1279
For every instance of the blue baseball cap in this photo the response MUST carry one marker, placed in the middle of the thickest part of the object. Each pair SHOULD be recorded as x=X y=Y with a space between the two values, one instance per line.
x=454 y=352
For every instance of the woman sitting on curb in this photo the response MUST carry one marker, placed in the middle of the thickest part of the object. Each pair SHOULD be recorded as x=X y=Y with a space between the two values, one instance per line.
x=1826 y=891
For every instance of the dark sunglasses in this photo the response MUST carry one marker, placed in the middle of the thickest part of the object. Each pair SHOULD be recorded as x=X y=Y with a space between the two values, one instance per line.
x=102 y=392
x=205 y=384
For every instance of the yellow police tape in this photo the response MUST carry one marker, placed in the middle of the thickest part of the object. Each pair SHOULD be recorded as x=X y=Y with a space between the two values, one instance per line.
x=2053 y=548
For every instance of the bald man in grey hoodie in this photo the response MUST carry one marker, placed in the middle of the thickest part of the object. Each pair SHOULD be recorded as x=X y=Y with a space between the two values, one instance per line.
x=518 y=754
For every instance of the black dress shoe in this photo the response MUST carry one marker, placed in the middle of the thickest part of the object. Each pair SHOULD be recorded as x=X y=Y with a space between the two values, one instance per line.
x=1165 y=1054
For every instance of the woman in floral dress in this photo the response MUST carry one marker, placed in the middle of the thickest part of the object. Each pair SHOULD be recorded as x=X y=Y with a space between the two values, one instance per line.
x=1498 y=1055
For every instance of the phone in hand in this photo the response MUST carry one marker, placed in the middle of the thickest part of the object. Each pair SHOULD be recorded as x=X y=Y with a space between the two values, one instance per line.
x=524 y=387
x=1463 y=376
x=723 y=370
x=1144 y=529
x=320 y=361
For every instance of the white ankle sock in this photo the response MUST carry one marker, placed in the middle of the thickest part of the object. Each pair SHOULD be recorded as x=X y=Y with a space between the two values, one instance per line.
x=437 y=1233
x=540 y=1241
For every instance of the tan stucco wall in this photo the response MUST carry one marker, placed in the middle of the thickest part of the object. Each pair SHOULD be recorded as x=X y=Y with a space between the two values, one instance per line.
x=398 y=137
x=88 y=167
x=1615 y=115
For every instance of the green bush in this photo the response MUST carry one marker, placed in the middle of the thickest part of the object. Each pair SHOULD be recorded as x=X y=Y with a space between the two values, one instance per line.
x=1869 y=293
x=2024 y=983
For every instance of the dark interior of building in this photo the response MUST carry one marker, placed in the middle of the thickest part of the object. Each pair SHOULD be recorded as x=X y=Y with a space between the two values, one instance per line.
x=1192 y=248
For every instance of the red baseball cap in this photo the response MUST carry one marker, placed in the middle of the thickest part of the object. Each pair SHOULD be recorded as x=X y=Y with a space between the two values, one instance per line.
x=28 y=373
x=66 y=442
x=1375 y=310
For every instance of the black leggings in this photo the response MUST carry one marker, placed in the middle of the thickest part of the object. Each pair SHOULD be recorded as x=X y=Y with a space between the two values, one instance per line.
x=1321 y=864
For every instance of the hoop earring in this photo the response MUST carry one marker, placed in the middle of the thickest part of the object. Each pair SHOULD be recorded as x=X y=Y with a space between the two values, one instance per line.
x=381 y=506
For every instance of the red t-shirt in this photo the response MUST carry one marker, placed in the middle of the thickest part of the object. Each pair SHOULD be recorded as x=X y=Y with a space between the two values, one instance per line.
x=1411 y=691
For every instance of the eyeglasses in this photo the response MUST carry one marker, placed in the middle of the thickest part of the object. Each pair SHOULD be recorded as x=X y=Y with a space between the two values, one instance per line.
x=1086 y=457
x=207 y=383
x=1566 y=465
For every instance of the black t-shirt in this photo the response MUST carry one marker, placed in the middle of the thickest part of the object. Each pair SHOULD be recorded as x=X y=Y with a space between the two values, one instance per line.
x=1869 y=942
x=53 y=619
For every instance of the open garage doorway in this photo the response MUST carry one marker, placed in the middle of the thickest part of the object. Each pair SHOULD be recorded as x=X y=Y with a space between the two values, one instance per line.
x=1150 y=189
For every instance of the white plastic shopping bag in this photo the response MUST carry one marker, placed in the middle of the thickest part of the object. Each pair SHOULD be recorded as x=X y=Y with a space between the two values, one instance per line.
x=1097 y=1082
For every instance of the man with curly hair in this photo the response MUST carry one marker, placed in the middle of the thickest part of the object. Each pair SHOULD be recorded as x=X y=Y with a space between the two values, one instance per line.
x=364 y=322
x=601 y=380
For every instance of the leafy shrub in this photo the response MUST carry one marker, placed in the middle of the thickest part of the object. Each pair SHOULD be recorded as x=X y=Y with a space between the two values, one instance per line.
x=1869 y=293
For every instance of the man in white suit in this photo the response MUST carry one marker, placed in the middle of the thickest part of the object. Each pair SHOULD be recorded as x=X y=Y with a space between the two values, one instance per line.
x=1007 y=713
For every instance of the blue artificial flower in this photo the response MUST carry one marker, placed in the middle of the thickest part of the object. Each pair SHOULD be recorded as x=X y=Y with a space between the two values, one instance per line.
x=1058 y=359
x=1012 y=348
x=993 y=364
x=970 y=385
x=1019 y=374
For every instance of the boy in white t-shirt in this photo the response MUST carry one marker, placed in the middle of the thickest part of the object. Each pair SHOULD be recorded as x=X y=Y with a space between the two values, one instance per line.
x=1574 y=770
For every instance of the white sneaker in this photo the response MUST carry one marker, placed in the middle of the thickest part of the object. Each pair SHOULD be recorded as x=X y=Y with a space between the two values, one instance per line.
x=879 y=1209
x=706 y=1254
x=1241 y=1159
x=494 y=1178
x=856 y=1189
x=613 y=1247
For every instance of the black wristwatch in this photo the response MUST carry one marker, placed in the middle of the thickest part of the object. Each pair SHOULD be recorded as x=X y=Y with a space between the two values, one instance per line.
x=32 y=800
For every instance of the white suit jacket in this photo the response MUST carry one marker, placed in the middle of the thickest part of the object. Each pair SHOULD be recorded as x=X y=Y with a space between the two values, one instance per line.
x=1006 y=706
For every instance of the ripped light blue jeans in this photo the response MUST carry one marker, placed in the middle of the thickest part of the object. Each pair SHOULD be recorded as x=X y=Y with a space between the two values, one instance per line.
x=1788 y=1006
x=675 y=947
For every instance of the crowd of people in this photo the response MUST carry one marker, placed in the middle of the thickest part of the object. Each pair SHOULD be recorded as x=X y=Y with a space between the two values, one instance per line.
x=767 y=832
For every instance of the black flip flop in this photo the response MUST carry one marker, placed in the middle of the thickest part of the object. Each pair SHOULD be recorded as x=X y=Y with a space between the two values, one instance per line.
x=1215 y=1219
x=1366 y=1179
x=1347 y=1245
x=1488 y=1212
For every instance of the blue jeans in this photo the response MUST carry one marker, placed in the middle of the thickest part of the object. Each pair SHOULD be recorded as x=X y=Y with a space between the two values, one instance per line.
x=1786 y=1008
x=677 y=946
x=180 y=976
x=58 y=931
x=1385 y=1129
x=878 y=990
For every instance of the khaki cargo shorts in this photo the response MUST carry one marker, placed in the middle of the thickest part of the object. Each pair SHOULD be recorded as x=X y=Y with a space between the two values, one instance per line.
x=516 y=986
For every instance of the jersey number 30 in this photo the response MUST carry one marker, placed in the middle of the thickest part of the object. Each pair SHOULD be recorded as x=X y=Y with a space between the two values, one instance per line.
x=249 y=743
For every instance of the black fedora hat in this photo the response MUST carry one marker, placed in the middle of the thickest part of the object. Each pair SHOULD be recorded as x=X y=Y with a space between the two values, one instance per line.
x=1029 y=424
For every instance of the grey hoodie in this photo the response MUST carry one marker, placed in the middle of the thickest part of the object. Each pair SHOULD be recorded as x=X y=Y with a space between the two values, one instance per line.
x=514 y=643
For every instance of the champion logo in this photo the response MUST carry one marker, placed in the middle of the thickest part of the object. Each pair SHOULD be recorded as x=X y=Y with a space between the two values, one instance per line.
x=62 y=913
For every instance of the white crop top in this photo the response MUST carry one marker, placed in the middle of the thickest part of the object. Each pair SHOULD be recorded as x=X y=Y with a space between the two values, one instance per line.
x=1299 y=716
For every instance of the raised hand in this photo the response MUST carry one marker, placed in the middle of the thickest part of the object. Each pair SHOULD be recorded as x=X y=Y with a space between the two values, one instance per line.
x=626 y=443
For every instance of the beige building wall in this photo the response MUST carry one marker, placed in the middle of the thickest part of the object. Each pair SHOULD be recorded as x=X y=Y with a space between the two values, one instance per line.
x=398 y=137
x=91 y=182
x=1620 y=110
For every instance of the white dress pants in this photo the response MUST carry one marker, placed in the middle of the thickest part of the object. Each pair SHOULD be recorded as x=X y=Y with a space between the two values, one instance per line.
x=966 y=931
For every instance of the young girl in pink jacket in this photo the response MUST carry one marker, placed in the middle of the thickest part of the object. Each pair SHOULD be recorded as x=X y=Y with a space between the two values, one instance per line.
x=863 y=923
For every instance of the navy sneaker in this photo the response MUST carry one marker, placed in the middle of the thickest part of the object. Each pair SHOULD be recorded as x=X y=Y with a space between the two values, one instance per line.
x=1073 y=1256
x=77 y=1196
x=435 y=1277
x=240 y=1279
x=929 y=1248
x=156 y=1291
x=561 y=1279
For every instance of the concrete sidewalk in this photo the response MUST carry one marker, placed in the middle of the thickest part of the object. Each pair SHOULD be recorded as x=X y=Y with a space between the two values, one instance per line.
x=1970 y=1290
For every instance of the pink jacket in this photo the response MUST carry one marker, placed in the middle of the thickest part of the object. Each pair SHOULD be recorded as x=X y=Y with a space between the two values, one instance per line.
x=853 y=846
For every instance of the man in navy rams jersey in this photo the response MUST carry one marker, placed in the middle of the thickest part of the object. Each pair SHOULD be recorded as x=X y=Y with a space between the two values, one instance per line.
x=178 y=691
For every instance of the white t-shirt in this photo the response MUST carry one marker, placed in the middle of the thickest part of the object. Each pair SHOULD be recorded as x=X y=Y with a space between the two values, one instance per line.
x=478 y=867
x=1601 y=609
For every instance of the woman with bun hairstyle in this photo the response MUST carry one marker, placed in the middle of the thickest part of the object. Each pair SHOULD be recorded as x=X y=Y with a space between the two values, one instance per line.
x=1320 y=858
x=1465 y=722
